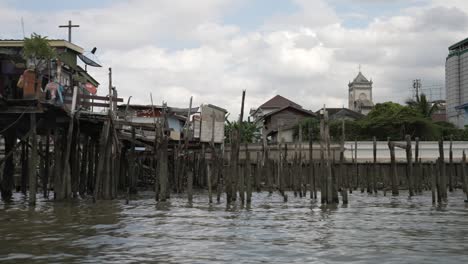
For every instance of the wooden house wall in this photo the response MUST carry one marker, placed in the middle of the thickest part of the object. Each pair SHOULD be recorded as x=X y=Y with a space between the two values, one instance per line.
x=284 y=118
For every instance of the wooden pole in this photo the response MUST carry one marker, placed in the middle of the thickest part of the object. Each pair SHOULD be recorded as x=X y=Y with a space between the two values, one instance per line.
x=344 y=193
x=91 y=166
x=190 y=184
x=163 y=170
x=248 y=175
x=47 y=164
x=356 y=182
x=409 y=159
x=24 y=167
x=451 y=170
x=443 y=175
x=374 y=173
x=258 y=172
x=464 y=176
x=100 y=169
x=33 y=162
x=209 y=170
x=7 y=180
x=433 y=183
x=83 y=170
x=393 y=168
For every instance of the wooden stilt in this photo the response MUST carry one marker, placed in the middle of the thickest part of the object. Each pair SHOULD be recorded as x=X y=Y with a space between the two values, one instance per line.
x=24 y=167
x=451 y=170
x=375 y=169
x=393 y=168
x=7 y=182
x=101 y=165
x=47 y=164
x=33 y=162
x=464 y=176
x=433 y=183
x=443 y=175
x=209 y=170
x=248 y=176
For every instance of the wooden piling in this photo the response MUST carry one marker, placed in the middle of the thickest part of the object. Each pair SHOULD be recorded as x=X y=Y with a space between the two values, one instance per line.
x=433 y=183
x=464 y=176
x=219 y=175
x=409 y=160
x=83 y=170
x=190 y=184
x=451 y=170
x=7 y=183
x=443 y=175
x=393 y=168
x=163 y=169
x=375 y=169
x=258 y=173
x=47 y=164
x=33 y=162
x=248 y=176
x=209 y=170
x=24 y=167
x=356 y=180
x=100 y=169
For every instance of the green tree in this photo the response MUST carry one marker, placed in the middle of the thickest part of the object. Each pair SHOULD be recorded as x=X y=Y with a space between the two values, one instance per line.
x=422 y=105
x=308 y=124
x=249 y=131
x=395 y=121
x=37 y=51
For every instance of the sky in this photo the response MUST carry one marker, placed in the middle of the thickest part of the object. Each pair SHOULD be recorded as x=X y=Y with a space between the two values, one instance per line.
x=304 y=50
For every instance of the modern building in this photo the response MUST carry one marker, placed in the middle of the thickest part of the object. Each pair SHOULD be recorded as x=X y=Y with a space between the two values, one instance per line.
x=360 y=95
x=456 y=83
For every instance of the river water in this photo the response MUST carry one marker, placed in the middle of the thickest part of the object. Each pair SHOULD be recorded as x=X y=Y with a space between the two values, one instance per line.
x=370 y=229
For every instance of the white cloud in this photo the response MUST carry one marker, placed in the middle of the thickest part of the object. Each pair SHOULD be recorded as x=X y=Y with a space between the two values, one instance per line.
x=175 y=49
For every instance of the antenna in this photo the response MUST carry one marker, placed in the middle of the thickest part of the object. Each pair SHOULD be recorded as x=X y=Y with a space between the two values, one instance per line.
x=22 y=27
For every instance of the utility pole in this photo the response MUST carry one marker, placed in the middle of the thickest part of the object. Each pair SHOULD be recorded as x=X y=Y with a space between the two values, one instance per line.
x=417 y=87
x=69 y=26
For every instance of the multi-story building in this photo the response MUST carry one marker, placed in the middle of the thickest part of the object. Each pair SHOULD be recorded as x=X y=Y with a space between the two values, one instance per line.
x=456 y=83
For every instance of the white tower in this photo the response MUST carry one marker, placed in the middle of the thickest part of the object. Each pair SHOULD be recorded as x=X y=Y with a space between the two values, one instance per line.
x=360 y=94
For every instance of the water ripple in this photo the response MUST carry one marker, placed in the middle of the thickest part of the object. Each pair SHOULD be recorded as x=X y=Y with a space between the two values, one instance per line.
x=371 y=228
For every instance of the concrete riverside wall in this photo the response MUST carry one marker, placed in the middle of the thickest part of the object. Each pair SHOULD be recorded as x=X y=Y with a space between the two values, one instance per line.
x=428 y=151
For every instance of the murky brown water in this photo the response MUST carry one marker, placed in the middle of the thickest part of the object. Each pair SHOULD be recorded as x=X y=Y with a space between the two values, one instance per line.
x=371 y=229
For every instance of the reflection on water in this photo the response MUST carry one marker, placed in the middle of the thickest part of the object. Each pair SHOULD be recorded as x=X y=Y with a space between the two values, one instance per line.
x=371 y=228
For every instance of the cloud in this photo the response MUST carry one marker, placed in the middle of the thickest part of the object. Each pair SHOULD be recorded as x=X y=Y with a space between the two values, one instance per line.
x=175 y=49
